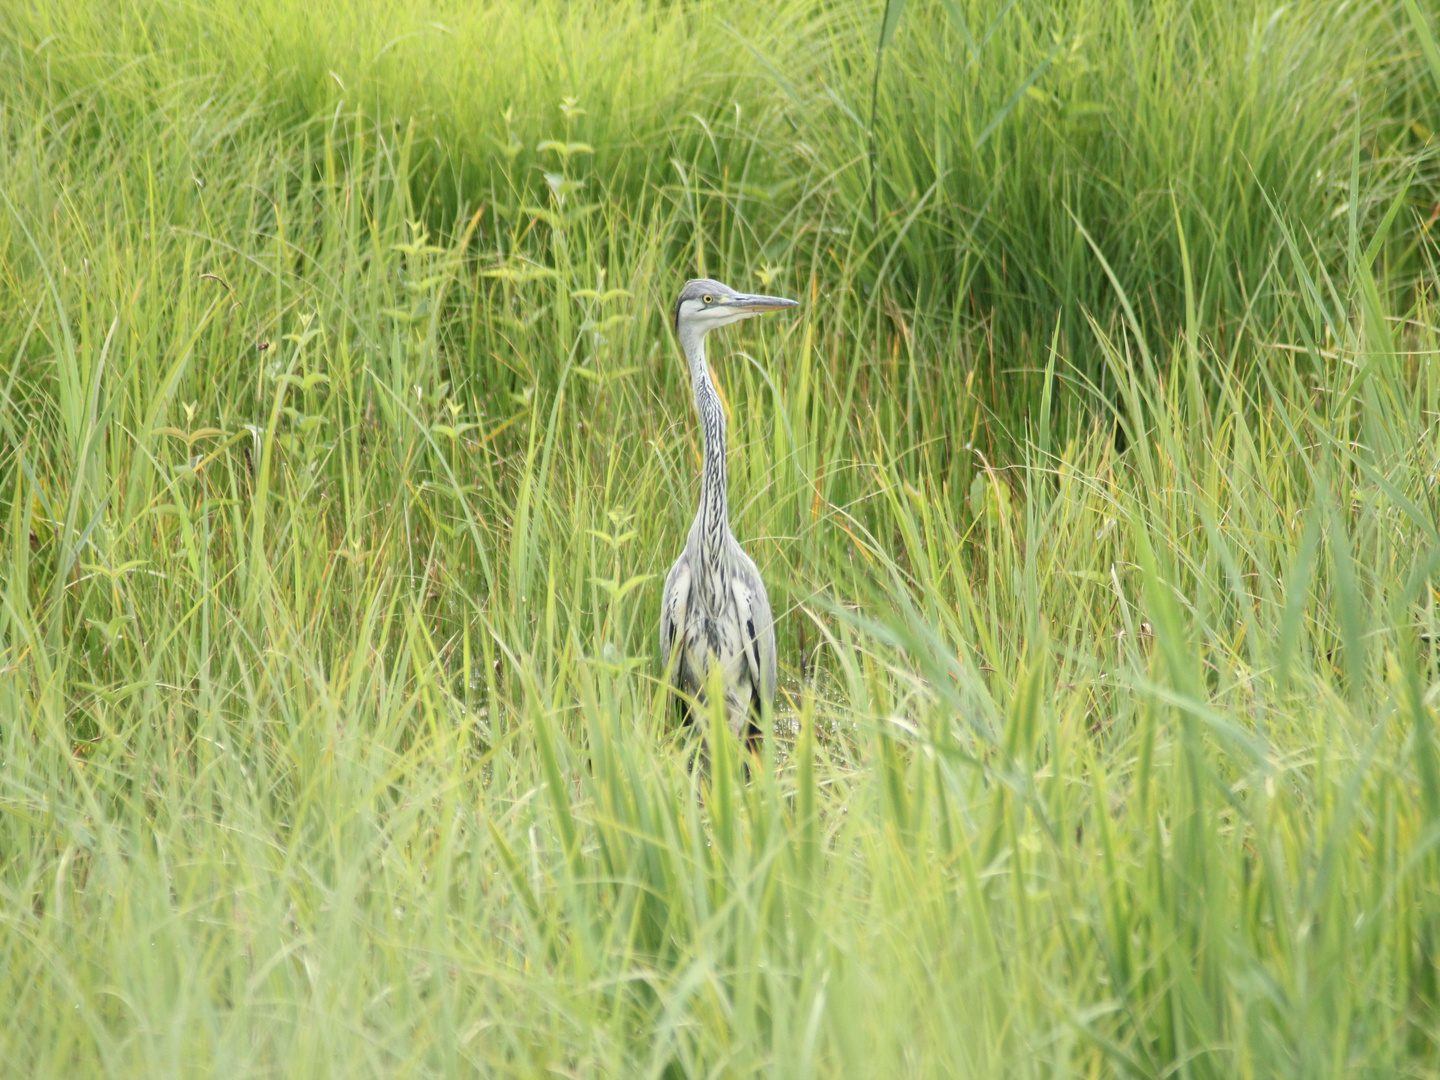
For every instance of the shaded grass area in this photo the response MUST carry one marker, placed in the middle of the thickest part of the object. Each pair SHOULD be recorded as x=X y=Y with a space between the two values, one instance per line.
x=996 y=127
x=342 y=449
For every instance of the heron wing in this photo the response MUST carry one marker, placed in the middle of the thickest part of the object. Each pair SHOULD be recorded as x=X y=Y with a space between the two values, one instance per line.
x=757 y=633
x=672 y=609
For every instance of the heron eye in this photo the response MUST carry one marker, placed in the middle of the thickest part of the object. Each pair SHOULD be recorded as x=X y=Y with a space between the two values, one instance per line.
x=709 y=299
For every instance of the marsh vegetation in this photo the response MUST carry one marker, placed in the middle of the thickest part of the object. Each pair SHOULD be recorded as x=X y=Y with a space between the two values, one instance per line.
x=343 y=442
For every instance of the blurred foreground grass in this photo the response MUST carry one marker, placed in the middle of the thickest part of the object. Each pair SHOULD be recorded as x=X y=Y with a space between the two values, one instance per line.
x=342 y=443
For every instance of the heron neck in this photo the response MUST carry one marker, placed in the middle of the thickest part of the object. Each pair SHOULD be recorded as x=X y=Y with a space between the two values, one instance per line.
x=712 y=520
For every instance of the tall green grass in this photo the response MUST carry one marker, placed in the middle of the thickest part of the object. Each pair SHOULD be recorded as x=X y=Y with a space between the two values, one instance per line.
x=341 y=450
x=997 y=126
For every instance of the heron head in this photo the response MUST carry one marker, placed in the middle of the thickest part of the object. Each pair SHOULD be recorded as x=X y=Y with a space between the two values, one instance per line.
x=705 y=304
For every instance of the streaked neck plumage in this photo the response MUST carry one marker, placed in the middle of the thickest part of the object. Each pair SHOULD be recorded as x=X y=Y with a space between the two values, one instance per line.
x=712 y=522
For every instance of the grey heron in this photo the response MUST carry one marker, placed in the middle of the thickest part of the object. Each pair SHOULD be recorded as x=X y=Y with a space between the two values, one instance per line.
x=714 y=611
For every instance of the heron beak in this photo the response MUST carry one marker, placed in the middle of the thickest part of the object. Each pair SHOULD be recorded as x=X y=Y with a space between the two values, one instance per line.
x=758 y=305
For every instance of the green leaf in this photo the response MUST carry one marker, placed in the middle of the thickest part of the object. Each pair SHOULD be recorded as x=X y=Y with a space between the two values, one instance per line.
x=893 y=10
x=565 y=150
x=952 y=8
x=520 y=272
x=1014 y=99
x=1427 y=39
